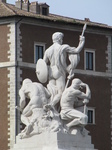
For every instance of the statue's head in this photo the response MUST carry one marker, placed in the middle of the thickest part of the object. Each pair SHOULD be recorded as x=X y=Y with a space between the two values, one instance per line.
x=57 y=37
x=76 y=82
x=26 y=81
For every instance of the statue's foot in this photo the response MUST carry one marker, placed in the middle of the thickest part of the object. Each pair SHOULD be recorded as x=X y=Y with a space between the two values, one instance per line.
x=66 y=129
x=29 y=129
x=83 y=131
x=22 y=136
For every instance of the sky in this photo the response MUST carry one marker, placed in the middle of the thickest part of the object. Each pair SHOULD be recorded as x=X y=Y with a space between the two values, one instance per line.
x=99 y=11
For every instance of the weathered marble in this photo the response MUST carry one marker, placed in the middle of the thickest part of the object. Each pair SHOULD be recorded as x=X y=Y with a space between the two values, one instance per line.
x=48 y=125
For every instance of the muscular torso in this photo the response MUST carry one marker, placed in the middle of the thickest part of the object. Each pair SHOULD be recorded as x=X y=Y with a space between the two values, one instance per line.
x=36 y=93
x=51 y=54
x=68 y=99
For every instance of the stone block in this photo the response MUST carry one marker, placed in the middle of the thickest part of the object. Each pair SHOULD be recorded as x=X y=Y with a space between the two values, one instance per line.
x=54 y=141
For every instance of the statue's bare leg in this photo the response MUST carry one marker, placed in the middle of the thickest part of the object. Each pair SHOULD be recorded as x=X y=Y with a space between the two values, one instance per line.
x=78 y=118
x=60 y=84
x=73 y=123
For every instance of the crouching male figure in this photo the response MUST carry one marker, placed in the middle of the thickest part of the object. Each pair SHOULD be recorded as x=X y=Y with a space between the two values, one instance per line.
x=70 y=100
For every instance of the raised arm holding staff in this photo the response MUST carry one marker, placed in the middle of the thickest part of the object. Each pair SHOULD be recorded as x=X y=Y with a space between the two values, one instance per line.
x=74 y=59
x=55 y=58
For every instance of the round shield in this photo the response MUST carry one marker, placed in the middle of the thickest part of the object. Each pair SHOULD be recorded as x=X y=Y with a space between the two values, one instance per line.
x=41 y=71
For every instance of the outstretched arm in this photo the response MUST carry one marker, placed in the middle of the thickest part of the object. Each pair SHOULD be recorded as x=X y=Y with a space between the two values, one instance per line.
x=73 y=50
x=81 y=44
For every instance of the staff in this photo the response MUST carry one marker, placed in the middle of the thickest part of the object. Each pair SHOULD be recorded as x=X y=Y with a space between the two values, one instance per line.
x=71 y=71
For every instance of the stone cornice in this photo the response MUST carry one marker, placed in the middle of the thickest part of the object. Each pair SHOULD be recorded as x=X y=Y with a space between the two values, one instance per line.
x=33 y=66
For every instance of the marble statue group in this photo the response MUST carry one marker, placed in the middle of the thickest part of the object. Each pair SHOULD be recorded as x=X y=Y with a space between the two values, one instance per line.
x=61 y=105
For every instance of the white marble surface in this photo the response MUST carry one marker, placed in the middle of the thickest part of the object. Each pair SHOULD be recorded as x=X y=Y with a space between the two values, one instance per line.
x=55 y=141
x=49 y=126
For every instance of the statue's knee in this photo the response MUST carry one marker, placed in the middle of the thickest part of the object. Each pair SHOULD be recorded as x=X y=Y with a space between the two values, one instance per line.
x=84 y=120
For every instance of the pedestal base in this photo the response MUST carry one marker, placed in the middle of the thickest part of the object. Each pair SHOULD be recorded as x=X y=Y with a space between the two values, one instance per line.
x=54 y=141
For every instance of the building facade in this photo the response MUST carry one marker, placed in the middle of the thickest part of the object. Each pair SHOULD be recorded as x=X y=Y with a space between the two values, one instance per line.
x=25 y=33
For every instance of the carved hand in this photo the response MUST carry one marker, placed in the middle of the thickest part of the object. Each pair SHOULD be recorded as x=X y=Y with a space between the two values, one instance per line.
x=82 y=38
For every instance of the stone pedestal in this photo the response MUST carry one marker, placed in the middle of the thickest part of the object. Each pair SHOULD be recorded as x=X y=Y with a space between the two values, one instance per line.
x=54 y=141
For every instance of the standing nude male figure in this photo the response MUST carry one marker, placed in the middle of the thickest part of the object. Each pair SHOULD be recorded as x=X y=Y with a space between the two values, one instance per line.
x=55 y=58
